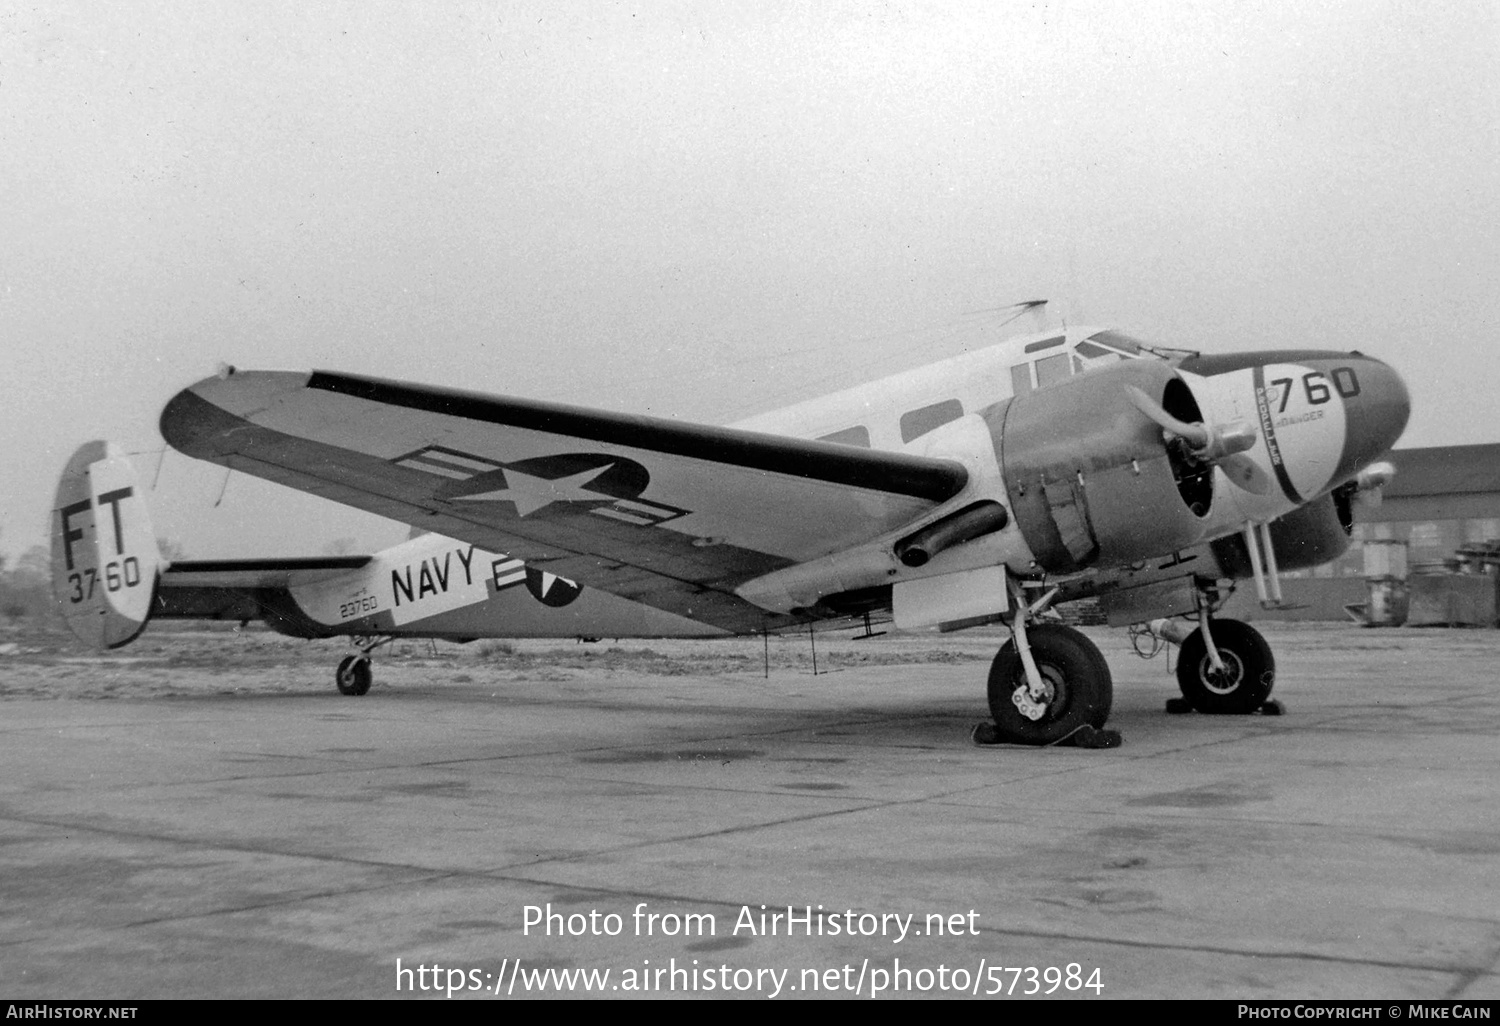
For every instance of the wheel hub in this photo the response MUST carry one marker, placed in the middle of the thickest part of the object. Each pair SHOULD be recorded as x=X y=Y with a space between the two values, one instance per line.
x=1033 y=704
x=1225 y=681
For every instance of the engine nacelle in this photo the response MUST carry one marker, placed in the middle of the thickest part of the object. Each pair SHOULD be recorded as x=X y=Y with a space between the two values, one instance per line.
x=1090 y=479
x=1309 y=536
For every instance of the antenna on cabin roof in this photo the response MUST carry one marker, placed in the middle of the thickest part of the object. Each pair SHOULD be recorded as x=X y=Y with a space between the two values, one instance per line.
x=1021 y=308
x=1038 y=307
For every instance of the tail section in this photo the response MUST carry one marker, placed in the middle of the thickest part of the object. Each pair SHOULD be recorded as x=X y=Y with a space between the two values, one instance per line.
x=104 y=554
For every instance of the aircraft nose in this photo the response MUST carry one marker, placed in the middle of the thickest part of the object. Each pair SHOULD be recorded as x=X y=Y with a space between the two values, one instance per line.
x=1375 y=415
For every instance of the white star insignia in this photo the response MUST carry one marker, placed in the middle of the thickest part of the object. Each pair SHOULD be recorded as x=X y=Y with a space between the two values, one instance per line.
x=530 y=493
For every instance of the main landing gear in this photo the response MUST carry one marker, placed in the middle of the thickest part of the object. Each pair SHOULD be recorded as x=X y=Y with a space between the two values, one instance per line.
x=1049 y=684
x=354 y=675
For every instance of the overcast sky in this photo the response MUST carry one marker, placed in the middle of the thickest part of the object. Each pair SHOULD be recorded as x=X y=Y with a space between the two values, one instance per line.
x=703 y=210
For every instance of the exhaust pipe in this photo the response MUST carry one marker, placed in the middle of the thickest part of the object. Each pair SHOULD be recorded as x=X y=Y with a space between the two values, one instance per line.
x=971 y=522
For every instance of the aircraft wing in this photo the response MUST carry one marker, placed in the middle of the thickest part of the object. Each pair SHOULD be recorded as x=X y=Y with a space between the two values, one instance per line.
x=670 y=514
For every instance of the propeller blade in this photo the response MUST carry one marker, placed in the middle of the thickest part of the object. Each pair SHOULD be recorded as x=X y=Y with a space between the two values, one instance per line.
x=1375 y=476
x=1197 y=435
x=1368 y=486
x=1243 y=471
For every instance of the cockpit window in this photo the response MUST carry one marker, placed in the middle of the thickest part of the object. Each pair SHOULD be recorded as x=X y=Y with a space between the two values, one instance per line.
x=1092 y=352
x=1118 y=340
x=1020 y=378
x=1052 y=369
x=1046 y=343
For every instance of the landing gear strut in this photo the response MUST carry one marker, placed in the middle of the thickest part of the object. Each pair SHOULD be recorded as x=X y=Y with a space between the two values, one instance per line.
x=1048 y=684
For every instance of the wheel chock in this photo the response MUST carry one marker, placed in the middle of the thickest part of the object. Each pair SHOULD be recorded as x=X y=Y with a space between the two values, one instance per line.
x=987 y=735
x=1093 y=737
x=1270 y=707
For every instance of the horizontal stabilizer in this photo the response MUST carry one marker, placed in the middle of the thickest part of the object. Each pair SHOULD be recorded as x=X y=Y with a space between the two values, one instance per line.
x=257 y=573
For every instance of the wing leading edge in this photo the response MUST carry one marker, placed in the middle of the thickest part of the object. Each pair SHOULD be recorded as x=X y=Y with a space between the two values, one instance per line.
x=670 y=514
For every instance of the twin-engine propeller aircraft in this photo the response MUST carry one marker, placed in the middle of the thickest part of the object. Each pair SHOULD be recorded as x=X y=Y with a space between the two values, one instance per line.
x=985 y=488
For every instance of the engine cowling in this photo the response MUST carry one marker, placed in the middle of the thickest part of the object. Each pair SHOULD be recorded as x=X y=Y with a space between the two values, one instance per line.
x=1091 y=480
x=1309 y=536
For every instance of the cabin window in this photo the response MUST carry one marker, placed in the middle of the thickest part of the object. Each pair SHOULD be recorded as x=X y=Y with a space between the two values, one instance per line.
x=1046 y=343
x=1020 y=378
x=859 y=436
x=929 y=418
x=1052 y=369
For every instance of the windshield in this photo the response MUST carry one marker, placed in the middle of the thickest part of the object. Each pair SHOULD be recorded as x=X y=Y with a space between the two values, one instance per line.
x=1120 y=341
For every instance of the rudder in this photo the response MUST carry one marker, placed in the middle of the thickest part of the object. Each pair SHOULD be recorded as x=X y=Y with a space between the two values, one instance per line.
x=104 y=554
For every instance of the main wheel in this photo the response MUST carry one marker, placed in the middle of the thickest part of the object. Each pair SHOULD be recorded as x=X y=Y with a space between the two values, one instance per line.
x=353 y=675
x=1248 y=675
x=1076 y=685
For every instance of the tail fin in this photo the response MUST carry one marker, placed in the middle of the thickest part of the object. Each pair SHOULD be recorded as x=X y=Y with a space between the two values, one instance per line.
x=104 y=554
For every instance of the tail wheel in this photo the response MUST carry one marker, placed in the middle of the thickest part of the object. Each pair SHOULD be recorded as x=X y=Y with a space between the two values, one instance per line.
x=353 y=675
x=1076 y=687
x=1248 y=675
